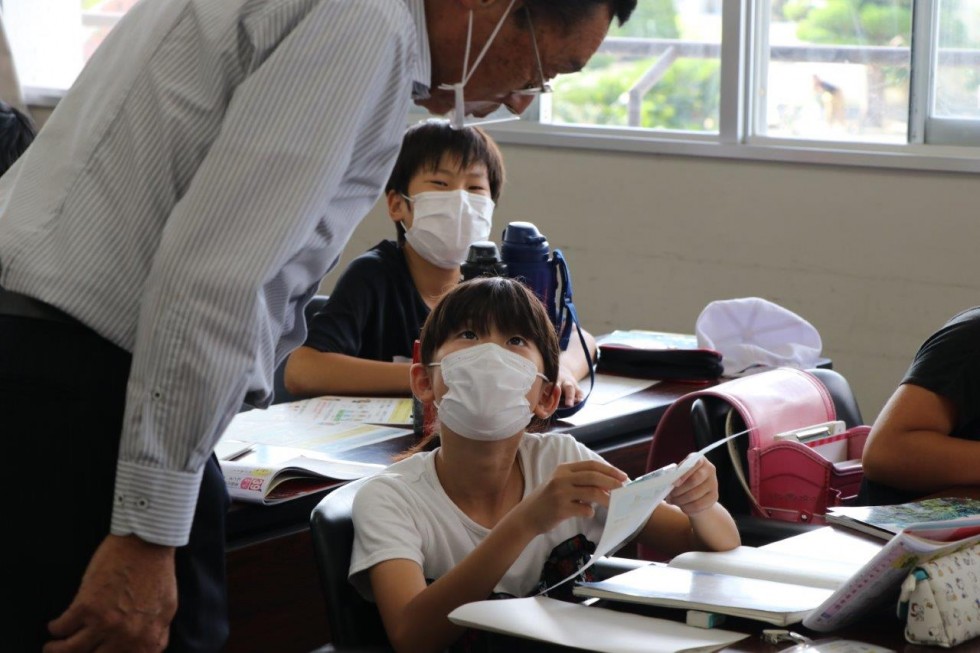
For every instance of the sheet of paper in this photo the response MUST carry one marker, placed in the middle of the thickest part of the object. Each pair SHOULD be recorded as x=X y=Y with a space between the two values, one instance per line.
x=631 y=505
x=231 y=449
x=590 y=628
x=261 y=427
x=371 y=410
x=609 y=387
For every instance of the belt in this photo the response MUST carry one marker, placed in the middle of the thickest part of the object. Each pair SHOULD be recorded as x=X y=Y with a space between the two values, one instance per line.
x=14 y=304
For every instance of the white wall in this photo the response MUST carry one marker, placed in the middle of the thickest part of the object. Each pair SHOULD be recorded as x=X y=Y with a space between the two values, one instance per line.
x=875 y=259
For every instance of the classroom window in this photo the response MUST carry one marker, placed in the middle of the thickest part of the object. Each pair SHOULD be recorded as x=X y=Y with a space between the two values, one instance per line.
x=836 y=70
x=52 y=39
x=660 y=71
x=737 y=78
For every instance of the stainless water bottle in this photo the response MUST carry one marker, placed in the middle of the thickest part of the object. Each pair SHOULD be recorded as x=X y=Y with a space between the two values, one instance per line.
x=527 y=254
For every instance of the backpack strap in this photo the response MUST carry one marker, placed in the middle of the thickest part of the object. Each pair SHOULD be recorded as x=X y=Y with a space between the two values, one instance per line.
x=568 y=318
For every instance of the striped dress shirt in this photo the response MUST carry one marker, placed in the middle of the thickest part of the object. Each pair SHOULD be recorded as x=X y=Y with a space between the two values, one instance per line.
x=188 y=195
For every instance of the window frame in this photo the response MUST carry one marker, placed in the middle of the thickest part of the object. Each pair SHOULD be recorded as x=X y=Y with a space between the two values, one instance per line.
x=932 y=143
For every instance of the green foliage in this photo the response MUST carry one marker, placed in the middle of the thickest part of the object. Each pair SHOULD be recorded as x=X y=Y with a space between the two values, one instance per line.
x=650 y=19
x=865 y=22
x=685 y=99
x=952 y=29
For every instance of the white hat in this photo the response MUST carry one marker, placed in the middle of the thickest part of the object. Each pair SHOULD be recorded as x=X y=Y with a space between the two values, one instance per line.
x=751 y=332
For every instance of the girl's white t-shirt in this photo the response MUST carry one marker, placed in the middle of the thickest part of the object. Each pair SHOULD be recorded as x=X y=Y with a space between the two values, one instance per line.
x=404 y=513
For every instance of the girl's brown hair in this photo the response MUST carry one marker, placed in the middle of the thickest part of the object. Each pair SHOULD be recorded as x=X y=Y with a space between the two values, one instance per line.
x=481 y=305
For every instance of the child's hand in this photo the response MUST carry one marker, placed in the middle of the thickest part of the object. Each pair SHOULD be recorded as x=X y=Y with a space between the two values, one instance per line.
x=697 y=490
x=573 y=491
x=571 y=393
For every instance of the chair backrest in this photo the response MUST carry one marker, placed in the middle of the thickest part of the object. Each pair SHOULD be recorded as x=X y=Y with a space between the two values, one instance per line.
x=279 y=392
x=354 y=621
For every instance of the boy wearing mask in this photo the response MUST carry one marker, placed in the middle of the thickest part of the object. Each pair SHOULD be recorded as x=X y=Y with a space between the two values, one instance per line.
x=441 y=195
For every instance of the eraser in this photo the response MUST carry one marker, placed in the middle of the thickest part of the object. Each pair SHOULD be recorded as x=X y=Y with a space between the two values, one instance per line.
x=704 y=619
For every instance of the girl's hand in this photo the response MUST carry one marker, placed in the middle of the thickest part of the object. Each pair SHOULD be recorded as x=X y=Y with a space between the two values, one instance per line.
x=697 y=490
x=573 y=491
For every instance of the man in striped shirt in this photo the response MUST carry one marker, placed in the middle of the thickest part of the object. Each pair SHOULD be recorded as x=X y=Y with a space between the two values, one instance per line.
x=158 y=241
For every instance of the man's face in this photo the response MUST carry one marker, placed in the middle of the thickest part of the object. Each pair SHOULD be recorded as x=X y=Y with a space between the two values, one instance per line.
x=509 y=65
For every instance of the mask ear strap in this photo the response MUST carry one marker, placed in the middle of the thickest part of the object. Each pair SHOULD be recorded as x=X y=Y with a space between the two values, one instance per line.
x=467 y=71
x=486 y=46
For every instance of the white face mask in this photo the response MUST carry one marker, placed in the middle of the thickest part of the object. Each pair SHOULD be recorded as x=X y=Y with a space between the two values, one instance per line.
x=486 y=396
x=459 y=110
x=446 y=223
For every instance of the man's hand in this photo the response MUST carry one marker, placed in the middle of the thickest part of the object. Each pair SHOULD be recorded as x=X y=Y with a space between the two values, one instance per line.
x=126 y=601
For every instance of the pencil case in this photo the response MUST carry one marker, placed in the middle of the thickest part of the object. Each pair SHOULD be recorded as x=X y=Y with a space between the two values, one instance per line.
x=940 y=600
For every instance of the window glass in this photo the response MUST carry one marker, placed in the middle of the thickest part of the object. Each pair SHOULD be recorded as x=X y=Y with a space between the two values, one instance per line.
x=661 y=70
x=837 y=70
x=52 y=39
x=957 y=71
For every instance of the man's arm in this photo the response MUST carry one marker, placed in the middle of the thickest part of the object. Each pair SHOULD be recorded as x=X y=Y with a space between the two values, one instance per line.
x=267 y=193
x=296 y=184
x=315 y=373
x=910 y=446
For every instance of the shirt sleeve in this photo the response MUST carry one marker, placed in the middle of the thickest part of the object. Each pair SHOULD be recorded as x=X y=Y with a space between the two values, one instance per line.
x=948 y=364
x=383 y=530
x=340 y=327
x=305 y=145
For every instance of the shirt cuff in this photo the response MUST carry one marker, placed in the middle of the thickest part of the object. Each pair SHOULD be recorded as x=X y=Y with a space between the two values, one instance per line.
x=156 y=505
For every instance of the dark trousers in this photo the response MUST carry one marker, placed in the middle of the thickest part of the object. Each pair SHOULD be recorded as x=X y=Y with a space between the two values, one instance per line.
x=62 y=392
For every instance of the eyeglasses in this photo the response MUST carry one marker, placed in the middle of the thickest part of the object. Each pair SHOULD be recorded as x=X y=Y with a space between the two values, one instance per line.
x=543 y=86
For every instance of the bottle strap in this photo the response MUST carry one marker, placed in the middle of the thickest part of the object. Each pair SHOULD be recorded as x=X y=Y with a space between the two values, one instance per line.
x=568 y=317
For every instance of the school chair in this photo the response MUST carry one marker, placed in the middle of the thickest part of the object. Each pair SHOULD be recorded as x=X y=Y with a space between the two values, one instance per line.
x=279 y=393
x=355 y=625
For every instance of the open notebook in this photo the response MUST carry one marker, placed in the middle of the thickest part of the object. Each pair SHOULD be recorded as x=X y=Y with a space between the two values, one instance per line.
x=777 y=588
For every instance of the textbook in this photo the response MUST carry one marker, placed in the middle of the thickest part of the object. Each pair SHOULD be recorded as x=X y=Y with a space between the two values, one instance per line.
x=776 y=588
x=268 y=474
x=880 y=579
x=886 y=521
x=657 y=355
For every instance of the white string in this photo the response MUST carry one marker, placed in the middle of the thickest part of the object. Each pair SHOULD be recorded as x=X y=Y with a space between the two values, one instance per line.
x=467 y=71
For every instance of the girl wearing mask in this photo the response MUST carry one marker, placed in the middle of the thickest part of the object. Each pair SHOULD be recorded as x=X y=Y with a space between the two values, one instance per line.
x=441 y=195
x=495 y=511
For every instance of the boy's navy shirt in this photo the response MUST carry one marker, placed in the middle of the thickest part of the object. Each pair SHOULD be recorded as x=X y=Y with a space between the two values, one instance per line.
x=374 y=311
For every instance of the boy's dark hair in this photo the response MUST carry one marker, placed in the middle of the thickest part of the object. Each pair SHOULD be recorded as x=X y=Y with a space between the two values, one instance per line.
x=481 y=304
x=424 y=145
x=17 y=131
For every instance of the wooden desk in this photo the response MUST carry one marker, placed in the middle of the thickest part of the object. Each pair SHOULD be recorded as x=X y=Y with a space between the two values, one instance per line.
x=273 y=588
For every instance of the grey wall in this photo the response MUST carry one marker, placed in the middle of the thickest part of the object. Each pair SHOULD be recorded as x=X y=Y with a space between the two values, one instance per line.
x=875 y=259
